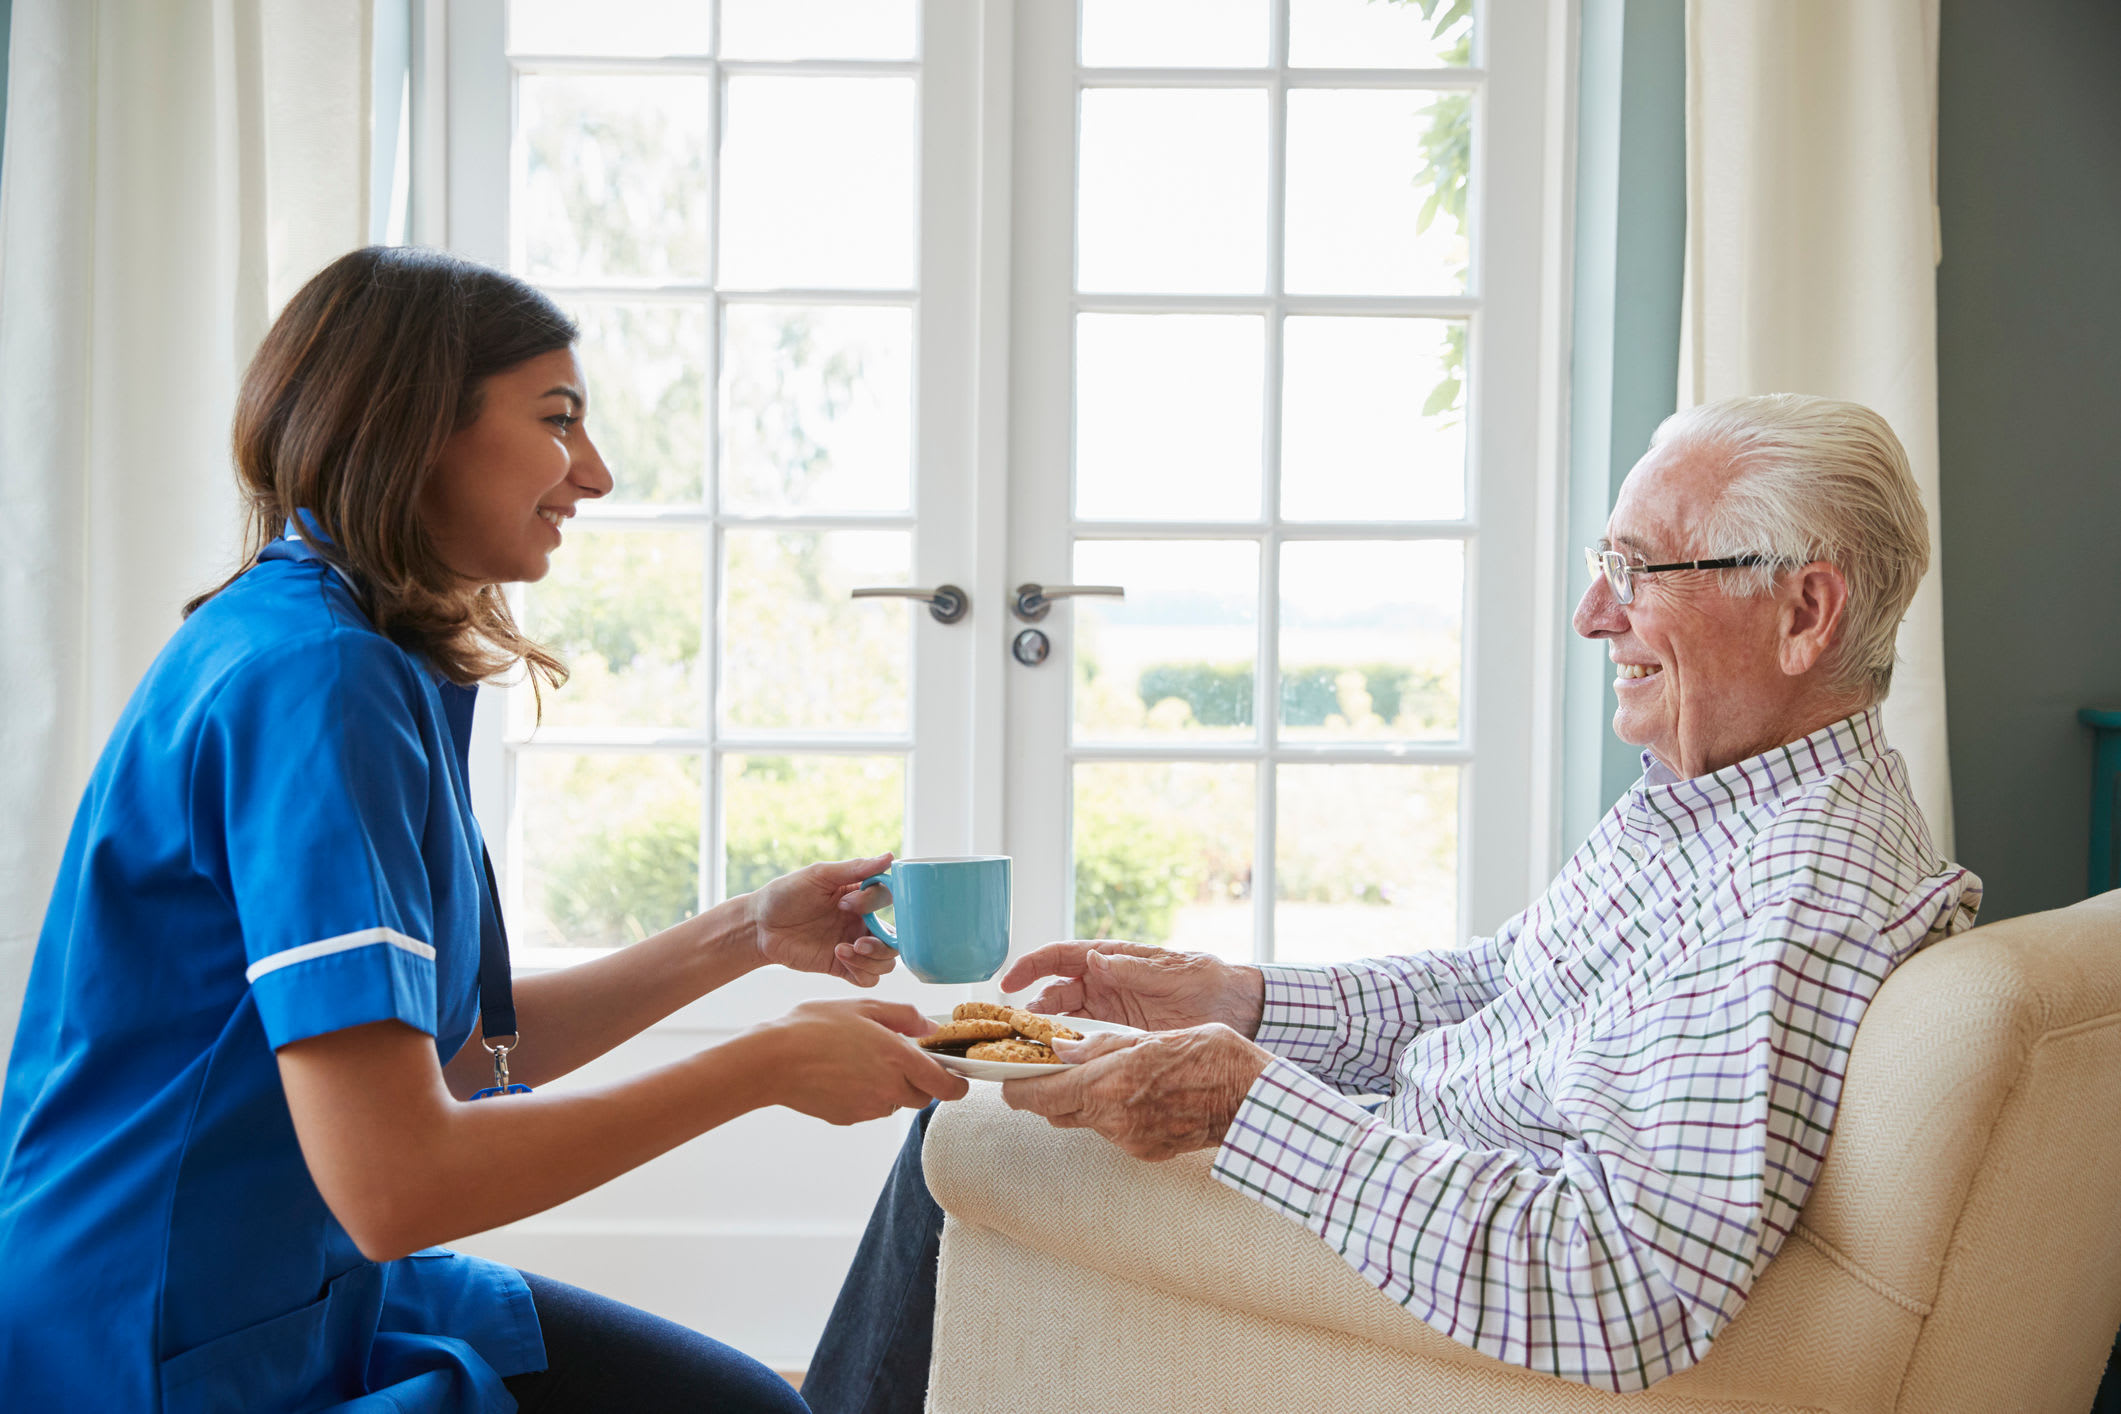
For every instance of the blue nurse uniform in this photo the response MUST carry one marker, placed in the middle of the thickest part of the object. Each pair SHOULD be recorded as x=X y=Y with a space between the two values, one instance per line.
x=277 y=843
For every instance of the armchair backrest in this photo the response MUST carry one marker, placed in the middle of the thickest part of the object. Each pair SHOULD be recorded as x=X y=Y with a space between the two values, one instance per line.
x=1975 y=1167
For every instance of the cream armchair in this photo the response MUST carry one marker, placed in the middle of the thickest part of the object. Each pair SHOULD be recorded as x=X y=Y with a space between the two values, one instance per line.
x=1961 y=1252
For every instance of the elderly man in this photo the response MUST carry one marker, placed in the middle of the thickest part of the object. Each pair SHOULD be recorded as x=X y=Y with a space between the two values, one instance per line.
x=1603 y=1120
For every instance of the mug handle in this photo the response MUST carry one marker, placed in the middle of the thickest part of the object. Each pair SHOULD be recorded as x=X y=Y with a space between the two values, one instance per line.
x=884 y=932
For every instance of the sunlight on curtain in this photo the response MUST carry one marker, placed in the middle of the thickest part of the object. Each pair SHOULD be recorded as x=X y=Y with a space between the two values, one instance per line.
x=173 y=173
x=1812 y=253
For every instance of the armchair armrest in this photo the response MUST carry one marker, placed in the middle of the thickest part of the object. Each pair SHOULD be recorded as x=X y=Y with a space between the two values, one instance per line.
x=1816 y=1333
x=1073 y=1195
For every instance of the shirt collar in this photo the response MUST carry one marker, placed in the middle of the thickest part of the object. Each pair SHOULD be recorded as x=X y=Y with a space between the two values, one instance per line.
x=1672 y=806
x=300 y=542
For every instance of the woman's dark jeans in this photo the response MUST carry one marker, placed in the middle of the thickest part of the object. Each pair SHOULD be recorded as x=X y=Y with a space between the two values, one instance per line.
x=603 y=1355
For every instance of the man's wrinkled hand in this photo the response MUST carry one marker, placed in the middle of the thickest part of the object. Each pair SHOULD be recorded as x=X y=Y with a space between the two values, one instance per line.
x=1156 y=1096
x=1155 y=989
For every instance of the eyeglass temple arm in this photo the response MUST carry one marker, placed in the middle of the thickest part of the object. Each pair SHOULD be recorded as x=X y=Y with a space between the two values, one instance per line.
x=1728 y=562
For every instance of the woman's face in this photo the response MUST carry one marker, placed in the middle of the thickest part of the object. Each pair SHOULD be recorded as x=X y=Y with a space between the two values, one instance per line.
x=506 y=482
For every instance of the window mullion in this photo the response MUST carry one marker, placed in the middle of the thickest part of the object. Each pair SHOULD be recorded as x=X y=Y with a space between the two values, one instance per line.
x=1268 y=710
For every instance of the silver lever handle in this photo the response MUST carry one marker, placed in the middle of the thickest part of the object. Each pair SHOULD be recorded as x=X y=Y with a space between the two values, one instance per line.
x=1035 y=601
x=946 y=602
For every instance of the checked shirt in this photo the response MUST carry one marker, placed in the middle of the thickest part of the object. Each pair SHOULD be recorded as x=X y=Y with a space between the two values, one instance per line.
x=1604 y=1120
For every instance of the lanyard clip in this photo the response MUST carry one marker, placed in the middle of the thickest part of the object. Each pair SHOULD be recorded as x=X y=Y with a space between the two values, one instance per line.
x=501 y=1085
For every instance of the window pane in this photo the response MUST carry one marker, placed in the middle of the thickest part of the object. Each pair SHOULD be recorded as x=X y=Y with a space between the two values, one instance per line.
x=1373 y=419
x=643 y=28
x=1163 y=854
x=818 y=184
x=797 y=651
x=1175 y=659
x=1365 y=861
x=1167 y=412
x=623 y=609
x=1377 y=192
x=817 y=408
x=1172 y=33
x=817 y=29
x=1370 y=639
x=611 y=846
x=647 y=371
x=1173 y=194
x=783 y=812
x=615 y=176
x=1362 y=34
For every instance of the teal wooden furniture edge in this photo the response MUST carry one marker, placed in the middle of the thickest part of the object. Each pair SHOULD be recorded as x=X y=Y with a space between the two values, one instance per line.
x=2105 y=858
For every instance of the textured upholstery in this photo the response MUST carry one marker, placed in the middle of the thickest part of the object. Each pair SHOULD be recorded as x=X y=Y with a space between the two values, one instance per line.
x=1961 y=1251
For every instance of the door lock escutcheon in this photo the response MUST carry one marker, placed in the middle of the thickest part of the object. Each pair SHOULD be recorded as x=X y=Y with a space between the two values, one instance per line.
x=1031 y=647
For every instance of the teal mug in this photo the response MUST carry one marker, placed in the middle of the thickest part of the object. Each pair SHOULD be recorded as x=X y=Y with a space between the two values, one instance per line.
x=952 y=916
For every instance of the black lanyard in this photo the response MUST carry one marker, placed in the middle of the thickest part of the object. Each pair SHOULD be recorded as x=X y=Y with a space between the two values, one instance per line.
x=497 y=998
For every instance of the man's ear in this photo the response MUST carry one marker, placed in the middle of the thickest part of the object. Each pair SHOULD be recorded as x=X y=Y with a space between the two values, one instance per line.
x=1813 y=601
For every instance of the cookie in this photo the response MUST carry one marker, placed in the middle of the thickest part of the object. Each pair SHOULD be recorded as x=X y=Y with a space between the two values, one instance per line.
x=959 y=1033
x=981 y=1011
x=1017 y=1051
x=1032 y=1026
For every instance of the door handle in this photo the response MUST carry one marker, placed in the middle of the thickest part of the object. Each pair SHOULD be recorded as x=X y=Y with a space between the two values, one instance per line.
x=946 y=602
x=1035 y=601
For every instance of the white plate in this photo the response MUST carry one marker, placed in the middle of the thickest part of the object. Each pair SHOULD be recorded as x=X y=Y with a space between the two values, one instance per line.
x=1017 y=1070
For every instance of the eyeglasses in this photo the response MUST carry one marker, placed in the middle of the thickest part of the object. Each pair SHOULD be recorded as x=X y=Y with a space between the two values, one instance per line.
x=1621 y=575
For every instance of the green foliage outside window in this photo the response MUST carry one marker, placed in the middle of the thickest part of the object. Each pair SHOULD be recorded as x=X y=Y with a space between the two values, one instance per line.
x=628 y=882
x=1447 y=169
x=781 y=813
x=1132 y=873
x=1220 y=694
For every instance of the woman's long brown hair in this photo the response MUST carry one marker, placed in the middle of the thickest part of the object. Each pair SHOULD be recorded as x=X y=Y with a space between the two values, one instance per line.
x=343 y=414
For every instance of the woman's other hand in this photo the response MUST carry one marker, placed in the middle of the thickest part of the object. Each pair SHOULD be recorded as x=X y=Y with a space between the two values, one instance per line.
x=1156 y=989
x=811 y=921
x=848 y=1061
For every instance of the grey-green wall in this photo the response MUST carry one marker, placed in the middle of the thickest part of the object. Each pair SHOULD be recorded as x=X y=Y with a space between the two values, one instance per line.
x=7 y=25
x=2029 y=383
x=1624 y=347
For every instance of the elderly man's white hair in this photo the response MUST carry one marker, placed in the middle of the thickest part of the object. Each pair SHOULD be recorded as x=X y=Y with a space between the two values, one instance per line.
x=1816 y=479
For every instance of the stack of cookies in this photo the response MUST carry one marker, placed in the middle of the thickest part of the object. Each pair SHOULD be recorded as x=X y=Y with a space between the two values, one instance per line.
x=986 y=1031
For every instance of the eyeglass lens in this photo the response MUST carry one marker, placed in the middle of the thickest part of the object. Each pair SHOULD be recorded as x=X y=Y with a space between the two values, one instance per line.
x=1619 y=574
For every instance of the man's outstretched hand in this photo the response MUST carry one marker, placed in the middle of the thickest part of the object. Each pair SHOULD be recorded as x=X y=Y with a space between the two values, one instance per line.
x=1156 y=1096
x=1155 y=989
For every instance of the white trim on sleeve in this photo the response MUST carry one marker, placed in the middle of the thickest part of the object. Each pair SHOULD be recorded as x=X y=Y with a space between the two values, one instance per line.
x=324 y=947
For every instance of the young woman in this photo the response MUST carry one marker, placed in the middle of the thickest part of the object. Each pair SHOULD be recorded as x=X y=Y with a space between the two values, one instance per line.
x=241 y=1106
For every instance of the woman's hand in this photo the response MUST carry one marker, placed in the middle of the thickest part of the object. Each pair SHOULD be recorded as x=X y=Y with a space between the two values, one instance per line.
x=847 y=1061
x=811 y=921
x=1156 y=989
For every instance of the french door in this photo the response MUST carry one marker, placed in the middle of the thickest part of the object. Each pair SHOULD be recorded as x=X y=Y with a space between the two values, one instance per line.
x=1279 y=377
x=1241 y=308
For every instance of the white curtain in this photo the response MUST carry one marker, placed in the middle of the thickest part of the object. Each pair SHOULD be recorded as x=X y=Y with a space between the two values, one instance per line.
x=174 y=170
x=1812 y=247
